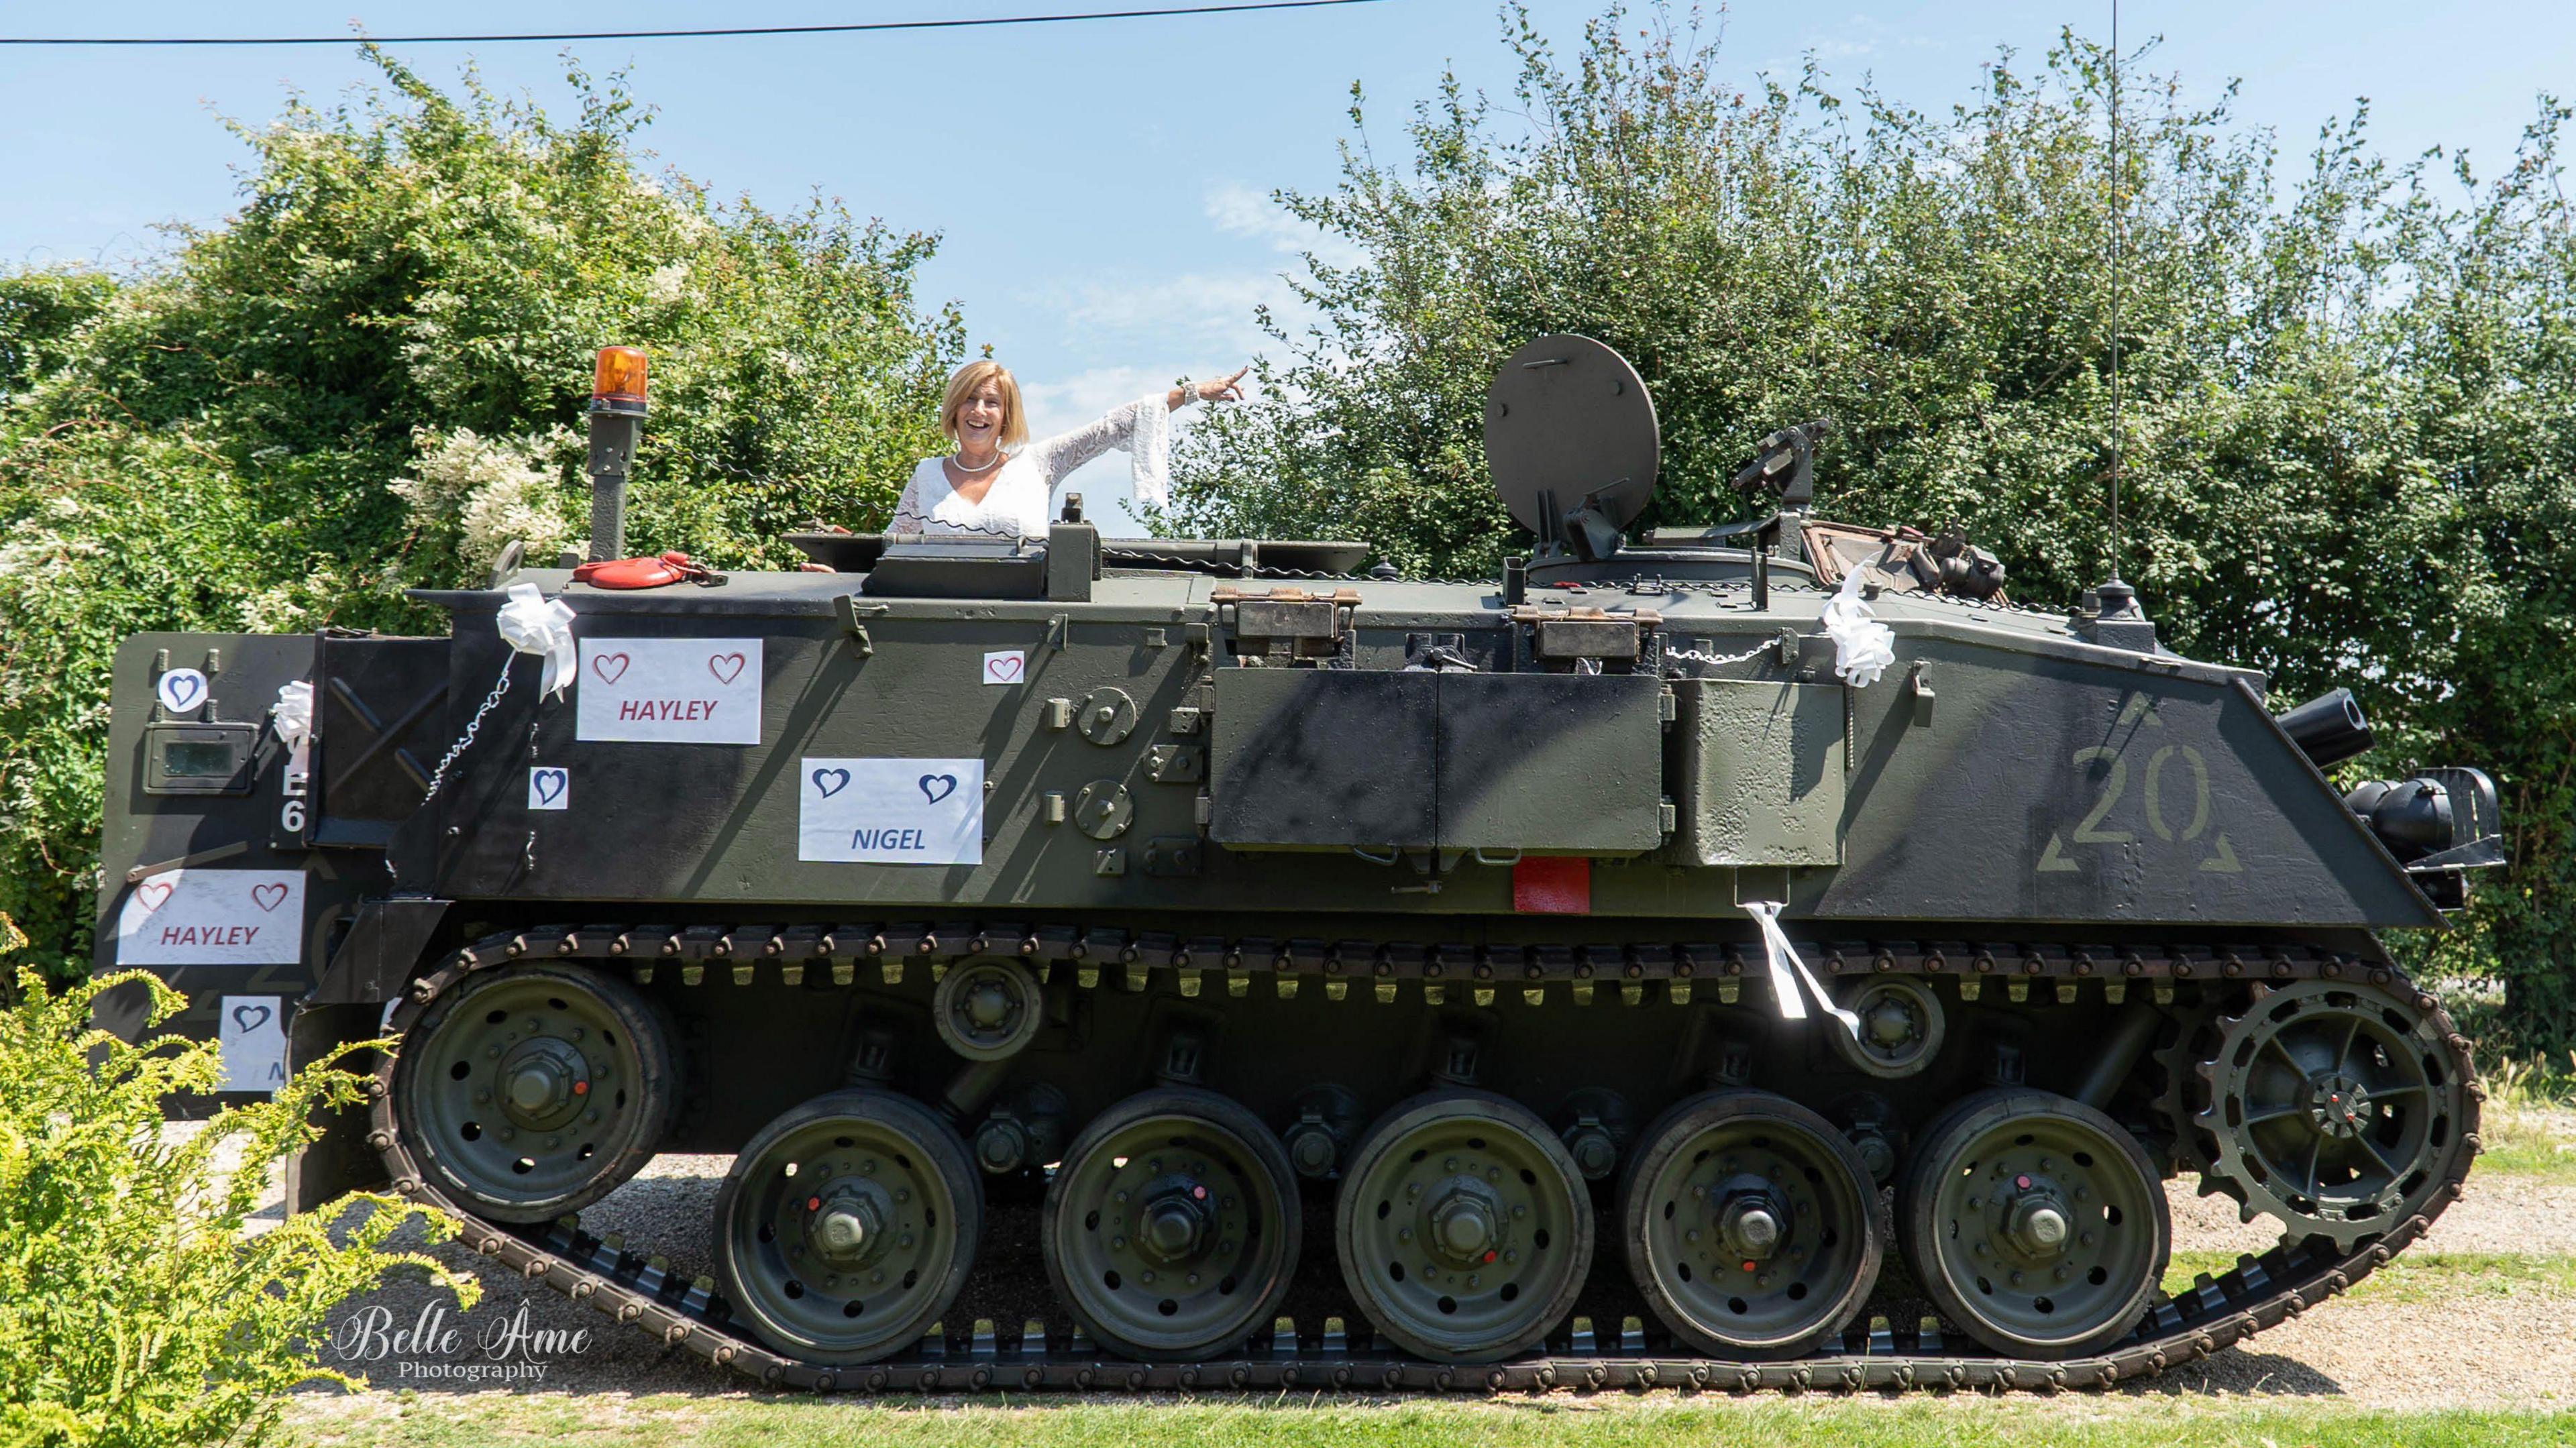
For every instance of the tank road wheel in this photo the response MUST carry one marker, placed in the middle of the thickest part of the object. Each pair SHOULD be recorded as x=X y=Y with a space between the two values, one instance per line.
x=2334 y=1108
x=846 y=1226
x=1750 y=1225
x=987 y=1010
x=534 y=1091
x=1464 y=1227
x=1900 y=1027
x=1171 y=1228
x=2035 y=1223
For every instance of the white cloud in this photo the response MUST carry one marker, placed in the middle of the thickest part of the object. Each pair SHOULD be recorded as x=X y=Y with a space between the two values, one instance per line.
x=1240 y=210
x=1210 y=315
x=1858 y=37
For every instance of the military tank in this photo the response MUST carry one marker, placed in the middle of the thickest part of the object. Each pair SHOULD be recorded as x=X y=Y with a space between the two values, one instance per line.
x=1754 y=956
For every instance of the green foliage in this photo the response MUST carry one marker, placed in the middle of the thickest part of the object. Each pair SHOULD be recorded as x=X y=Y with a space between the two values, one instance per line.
x=2350 y=421
x=135 y=1309
x=411 y=292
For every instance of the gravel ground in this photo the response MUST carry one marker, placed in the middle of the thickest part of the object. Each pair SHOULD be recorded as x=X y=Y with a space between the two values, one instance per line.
x=2477 y=1349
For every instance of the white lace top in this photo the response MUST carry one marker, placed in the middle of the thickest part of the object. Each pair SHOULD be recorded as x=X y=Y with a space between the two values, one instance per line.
x=1021 y=500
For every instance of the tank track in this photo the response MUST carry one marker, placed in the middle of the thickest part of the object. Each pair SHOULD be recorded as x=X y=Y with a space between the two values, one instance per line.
x=2220 y=1310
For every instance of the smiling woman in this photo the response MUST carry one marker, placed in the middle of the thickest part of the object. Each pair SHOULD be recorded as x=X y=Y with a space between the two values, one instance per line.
x=997 y=482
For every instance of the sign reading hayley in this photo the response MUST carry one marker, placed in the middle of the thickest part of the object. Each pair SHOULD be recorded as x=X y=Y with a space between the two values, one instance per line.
x=213 y=917
x=670 y=691
x=892 y=811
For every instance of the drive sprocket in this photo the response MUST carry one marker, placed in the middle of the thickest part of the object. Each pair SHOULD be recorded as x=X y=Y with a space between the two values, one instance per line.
x=2337 y=1108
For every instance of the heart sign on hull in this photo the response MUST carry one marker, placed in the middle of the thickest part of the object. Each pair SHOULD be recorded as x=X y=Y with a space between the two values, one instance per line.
x=251 y=1033
x=668 y=691
x=892 y=811
x=213 y=917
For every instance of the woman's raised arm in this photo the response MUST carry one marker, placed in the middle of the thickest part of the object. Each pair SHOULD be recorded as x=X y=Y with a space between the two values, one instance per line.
x=1138 y=427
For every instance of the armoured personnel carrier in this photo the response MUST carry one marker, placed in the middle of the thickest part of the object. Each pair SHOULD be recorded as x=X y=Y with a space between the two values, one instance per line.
x=1751 y=956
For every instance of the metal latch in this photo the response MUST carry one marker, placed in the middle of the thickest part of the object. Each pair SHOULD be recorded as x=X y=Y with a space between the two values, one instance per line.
x=853 y=615
x=1557 y=632
x=1283 y=625
x=1176 y=763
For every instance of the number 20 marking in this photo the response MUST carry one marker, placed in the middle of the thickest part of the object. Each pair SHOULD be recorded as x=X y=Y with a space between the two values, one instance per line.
x=2116 y=782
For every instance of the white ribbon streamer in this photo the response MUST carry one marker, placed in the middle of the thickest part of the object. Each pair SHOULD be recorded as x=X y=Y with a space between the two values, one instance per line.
x=1863 y=647
x=1783 y=958
x=1150 y=452
x=535 y=624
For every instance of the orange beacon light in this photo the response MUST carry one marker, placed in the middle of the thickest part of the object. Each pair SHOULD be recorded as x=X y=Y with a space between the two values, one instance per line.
x=618 y=384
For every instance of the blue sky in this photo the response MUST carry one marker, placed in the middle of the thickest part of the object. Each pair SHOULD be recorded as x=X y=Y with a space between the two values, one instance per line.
x=1102 y=188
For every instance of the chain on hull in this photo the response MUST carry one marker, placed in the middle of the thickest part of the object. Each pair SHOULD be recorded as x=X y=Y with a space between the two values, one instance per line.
x=2219 y=1311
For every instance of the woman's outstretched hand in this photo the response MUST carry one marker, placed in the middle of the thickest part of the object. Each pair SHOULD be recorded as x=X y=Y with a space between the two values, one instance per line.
x=1223 y=389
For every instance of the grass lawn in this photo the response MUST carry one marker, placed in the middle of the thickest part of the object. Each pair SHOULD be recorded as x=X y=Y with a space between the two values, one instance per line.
x=2420 y=1276
x=1319 y=1421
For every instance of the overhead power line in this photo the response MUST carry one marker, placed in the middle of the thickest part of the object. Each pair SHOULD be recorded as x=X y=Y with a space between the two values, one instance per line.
x=961 y=24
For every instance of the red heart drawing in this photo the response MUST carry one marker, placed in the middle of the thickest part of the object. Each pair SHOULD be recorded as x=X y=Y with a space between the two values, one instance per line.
x=1005 y=669
x=599 y=664
x=726 y=667
x=268 y=897
x=154 y=894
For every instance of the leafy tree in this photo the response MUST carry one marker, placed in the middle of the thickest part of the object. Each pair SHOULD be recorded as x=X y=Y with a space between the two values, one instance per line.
x=410 y=295
x=2348 y=431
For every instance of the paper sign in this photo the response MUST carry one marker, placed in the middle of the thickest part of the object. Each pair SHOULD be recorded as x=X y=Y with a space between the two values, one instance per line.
x=677 y=691
x=1007 y=667
x=180 y=690
x=213 y=917
x=251 y=1033
x=549 y=788
x=891 y=811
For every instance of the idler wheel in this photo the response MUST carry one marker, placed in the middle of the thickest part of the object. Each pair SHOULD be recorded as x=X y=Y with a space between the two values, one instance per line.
x=2035 y=1223
x=532 y=1091
x=1464 y=1227
x=847 y=1226
x=987 y=1010
x=1750 y=1225
x=2335 y=1108
x=1171 y=1227
x=1901 y=1027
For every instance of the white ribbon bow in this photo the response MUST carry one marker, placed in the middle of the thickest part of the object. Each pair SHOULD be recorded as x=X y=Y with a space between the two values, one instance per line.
x=536 y=624
x=292 y=717
x=1863 y=647
x=292 y=714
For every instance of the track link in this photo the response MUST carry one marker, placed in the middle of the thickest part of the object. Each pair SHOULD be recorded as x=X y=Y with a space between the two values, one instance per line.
x=2260 y=1292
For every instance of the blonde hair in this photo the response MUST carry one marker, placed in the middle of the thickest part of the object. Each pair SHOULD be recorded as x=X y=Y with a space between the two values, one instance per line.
x=1015 y=425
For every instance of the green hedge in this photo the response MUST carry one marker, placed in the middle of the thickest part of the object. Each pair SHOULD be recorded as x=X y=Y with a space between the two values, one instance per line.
x=410 y=294
x=2350 y=421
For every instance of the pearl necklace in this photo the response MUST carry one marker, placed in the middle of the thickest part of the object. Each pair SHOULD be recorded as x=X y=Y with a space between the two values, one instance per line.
x=959 y=461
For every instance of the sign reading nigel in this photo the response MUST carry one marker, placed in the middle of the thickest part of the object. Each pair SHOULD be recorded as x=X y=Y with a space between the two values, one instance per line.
x=891 y=811
x=670 y=691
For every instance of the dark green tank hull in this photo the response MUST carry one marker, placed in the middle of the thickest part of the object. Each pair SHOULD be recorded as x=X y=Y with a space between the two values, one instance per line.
x=1284 y=887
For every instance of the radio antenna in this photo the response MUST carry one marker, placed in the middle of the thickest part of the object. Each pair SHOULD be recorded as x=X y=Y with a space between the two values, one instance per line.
x=2119 y=260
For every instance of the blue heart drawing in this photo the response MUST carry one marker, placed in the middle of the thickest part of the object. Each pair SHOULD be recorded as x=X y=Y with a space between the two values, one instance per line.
x=550 y=785
x=831 y=781
x=250 y=1018
x=947 y=785
x=183 y=690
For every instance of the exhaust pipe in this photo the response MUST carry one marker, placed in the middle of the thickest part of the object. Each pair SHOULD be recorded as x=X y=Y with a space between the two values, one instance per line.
x=616 y=423
x=2329 y=728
